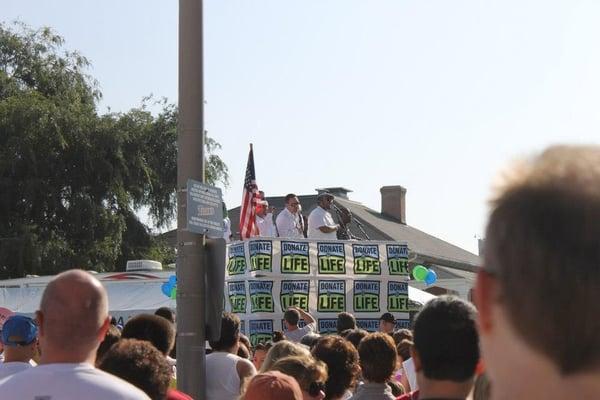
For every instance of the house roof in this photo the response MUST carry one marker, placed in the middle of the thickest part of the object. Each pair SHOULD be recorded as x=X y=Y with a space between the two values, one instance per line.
x=426 y=248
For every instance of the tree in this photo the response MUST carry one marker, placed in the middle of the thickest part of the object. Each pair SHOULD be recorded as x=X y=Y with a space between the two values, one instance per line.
x=71 y=180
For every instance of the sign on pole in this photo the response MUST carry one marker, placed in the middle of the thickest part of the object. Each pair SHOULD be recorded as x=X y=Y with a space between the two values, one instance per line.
x=204 y=209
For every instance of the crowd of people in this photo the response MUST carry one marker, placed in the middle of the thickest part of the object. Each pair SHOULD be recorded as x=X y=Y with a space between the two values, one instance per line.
x=535 y=333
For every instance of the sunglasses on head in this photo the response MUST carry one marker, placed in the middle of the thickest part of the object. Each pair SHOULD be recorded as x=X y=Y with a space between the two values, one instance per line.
x=315 y=388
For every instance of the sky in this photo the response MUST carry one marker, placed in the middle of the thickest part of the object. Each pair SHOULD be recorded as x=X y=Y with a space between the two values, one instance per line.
x=436 y=96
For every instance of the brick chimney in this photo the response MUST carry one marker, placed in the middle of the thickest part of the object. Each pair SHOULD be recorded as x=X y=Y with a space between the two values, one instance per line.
x=393 y=202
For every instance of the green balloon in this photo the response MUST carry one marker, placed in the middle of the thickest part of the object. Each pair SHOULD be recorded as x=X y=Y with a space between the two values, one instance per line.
x=419 y=273
x=174 y=293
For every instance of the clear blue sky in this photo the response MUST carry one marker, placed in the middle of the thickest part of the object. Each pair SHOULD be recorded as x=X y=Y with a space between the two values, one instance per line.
x=435 y=96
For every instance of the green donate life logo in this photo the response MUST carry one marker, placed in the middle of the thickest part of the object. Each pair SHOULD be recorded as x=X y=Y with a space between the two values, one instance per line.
x=295 y=264
x=261 y=262
x=331 y=302
x=398 y=266
x=236 y=265
x=261 y=296
x=238 y=303
x=256 y=338
x=366 y=302
x=299 y=300
x=332 y=265
x=367 y=265
x=366 y=296
x=366 y=259
x=398 y=303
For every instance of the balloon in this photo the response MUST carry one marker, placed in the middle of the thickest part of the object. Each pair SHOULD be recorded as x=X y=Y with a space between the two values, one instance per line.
x=431 y=277
x=173 y=279
x=166 y=289
x=419 y=273
x=174 y=293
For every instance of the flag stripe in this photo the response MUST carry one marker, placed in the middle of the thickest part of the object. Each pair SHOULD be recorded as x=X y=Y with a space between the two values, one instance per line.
x=248 y=226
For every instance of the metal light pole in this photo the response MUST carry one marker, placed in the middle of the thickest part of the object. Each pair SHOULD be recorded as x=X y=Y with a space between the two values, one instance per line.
x=190 y=164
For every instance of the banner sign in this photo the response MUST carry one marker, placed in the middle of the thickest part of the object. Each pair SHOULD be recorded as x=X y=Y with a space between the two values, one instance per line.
x=331 y=258
x=294 y=258
x=294 y=294
x=261 y=255
x=265 y=277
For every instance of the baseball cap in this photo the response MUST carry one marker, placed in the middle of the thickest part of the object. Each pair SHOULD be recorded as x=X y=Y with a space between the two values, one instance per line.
x=388 y=317
x=19 y=330
x=325 y=194
x=273 y=385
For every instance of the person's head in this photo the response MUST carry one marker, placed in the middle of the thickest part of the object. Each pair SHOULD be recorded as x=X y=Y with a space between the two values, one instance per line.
x=272 y=385
x=141 y=364
x=325 y=200
x=310 y=374
x=156 y=330
x=278 y=336
x=167 y=313
x=341 y=359
x=113 y=334
x=540 y=276
x=73 y=317
x=260 y=354
x=291 y=318
x=292 y=203
x=345 y=320
x=310 y=339
x=280 y=350
x=387 y=323
x=19 y=335
x=402 y=334
x=377 y=357
x=230 y=334
x=446 y=346
x=403 y=349
x=354 y=336
x=245 y=341
x=262 y=208
x=243 y=351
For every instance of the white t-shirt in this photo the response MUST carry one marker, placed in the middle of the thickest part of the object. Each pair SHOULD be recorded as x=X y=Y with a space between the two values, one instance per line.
x=222 y=379
x=67 y=381
x=317 y=218
x=227 y=229
x=266 y=227
x=288 y=224
x=11 y=368
x=296 y=335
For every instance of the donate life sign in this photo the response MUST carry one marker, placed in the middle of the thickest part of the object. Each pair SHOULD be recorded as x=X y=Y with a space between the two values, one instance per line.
x=267 y=276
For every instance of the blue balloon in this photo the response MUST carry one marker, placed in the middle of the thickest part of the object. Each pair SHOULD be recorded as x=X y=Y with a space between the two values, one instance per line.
x=166 y=289
x=431 y=277
x=173 y=279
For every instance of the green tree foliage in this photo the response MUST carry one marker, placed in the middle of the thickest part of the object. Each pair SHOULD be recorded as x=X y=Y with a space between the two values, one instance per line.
x=71 y=180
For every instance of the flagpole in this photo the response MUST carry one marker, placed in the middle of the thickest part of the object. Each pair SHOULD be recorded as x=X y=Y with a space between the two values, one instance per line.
x=191 y=375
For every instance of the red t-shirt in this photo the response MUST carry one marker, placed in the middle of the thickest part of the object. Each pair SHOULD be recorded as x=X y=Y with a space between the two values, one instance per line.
x=409 y=396
x=174 y=394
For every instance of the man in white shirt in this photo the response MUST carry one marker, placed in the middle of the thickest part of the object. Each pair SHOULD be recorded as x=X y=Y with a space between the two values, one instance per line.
x=226 y=372
x=19 y=335
x=291 y=318
x=264 y=220
x=289 y=221
x=320 y=221
x=73 y=320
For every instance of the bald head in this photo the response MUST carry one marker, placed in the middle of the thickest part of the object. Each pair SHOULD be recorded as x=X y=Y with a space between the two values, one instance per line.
x=74 y=308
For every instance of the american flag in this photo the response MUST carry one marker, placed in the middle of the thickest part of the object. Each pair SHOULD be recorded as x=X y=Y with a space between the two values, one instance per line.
x=248 y=226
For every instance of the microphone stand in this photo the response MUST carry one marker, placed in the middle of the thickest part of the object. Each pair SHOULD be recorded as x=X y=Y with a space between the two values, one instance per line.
x=360 y=226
